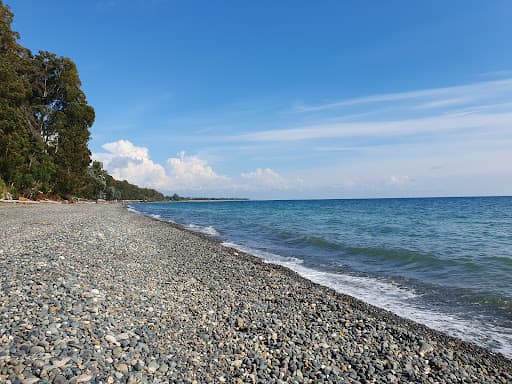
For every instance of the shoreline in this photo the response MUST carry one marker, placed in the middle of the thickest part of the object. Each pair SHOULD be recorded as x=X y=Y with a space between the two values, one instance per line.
x=487 y=327
x=162 y=302
x=246 y=256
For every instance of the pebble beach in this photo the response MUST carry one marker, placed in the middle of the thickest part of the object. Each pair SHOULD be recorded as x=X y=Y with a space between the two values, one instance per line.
x=93 y=293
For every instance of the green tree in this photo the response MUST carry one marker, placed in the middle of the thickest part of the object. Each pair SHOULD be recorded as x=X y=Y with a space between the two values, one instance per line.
x=98 y=188
x=64 y=118
x=44 y=126
x=15 y=141
x=24 y=162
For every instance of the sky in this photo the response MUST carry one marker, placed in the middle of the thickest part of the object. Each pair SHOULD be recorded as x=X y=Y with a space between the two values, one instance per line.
x=291 y=99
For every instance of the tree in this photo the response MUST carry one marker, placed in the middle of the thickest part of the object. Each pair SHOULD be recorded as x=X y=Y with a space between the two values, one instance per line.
x=44 y=126
x=64 y=118
x=15 y=140
x=98 y=188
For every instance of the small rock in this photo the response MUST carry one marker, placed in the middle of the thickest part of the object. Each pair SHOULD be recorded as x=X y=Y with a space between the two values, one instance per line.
x=30 y=380
x=123 y=336
x=36 y=349
x=425 y=348
x=152 y=366
x=82 y=378
x=117 y=351
x=111 y=339
x=59 y=379
x=163 y=368
x=139 y=365
x=60 y=363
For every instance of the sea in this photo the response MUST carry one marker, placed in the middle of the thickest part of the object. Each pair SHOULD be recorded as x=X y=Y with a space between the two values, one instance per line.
x=442 y=262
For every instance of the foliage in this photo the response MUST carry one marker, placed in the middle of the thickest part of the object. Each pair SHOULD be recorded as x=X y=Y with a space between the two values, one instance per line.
x=44 y=119
x=4 y=191
x=175 y=197
x=44 y=127
x=104 y=186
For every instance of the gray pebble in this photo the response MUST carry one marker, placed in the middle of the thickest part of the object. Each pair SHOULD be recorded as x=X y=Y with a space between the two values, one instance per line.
x=100 y=295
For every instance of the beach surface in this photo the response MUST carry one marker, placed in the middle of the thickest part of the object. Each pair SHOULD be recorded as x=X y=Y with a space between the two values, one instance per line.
x=95 y=293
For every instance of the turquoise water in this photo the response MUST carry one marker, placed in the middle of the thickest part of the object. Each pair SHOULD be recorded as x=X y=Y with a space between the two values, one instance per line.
x=443 y=262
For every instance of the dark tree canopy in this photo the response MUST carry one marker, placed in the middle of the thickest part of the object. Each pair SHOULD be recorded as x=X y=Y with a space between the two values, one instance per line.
x=44 y=126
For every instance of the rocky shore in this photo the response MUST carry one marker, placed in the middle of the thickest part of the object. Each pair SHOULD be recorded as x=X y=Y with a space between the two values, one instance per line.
x=94 y=293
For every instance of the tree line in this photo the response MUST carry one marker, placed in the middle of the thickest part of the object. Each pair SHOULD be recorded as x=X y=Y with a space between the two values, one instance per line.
x=44 y=127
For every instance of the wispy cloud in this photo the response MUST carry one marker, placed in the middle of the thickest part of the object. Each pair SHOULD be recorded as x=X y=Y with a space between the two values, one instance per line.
x=442 y=141
x=481 y=105
x=443 y=103
x=478 y=106
x=438 y=124
x=474 y=91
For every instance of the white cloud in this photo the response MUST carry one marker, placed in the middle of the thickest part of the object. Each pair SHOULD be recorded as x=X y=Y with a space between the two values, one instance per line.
x=126 y=149
x=417 y=143
x=193 y=173
x=125 y=161
x=188 y=175
x=265 y=178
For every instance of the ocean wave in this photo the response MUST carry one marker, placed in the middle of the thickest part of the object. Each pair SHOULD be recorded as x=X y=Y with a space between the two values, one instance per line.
x=267 y=257
x=425 y=263
x=398 y=299
x=133 y=210
x=209 y=230
x=153 y=215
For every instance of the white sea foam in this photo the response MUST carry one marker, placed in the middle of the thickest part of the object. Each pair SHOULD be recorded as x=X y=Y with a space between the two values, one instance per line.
x=210 y=231
x=266 y=256
x=383 y=294
x=131 y=209
x=397 y=299
x=153 y=215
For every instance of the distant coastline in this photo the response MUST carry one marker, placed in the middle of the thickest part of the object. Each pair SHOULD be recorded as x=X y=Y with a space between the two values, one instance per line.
x=208 y=200
x=189 y=200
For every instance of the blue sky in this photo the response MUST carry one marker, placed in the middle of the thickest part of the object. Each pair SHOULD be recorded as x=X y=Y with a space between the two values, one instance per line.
x=292 y=99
